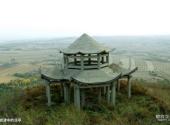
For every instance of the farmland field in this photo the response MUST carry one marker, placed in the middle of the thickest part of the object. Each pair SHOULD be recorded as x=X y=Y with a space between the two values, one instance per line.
x=22 y=61
x=27 y=56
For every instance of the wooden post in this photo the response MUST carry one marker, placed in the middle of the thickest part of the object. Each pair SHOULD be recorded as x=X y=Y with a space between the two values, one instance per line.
x=82 y=97
x=129 y=87
x=98 y=60
x=108 y=94
x=77 y=96
x=82 y=62
x=113 y=94
x=48 y=94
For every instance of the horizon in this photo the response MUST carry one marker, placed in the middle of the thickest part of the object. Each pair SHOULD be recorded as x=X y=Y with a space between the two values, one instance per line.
x=94 y=36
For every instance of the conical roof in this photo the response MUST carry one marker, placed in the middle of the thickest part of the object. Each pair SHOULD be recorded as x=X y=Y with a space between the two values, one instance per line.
x=85 y=44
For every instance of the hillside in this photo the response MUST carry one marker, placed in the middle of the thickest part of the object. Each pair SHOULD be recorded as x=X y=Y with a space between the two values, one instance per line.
x=29 y=104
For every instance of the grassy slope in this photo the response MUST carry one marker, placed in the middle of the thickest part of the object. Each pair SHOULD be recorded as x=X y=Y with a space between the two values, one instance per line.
x=29 y=104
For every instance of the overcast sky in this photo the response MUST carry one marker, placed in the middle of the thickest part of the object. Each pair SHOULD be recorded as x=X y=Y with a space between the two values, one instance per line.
x=54 y=18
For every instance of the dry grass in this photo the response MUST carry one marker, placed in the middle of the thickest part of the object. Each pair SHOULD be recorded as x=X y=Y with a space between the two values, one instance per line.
x=30 y=105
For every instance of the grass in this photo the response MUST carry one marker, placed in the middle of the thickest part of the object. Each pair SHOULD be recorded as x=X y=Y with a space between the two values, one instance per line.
x=30 y=105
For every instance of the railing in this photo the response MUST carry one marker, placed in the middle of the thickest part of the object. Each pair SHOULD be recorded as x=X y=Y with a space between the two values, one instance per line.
x=86 y=66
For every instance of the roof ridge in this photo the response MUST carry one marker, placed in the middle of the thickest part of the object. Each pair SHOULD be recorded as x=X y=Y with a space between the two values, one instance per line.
x=85 y=44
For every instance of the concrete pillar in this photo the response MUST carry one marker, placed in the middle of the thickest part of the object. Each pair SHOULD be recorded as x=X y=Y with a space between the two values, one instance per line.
x=48 y=94
x=118 y=85
x=107 y=58
x=66 y=61
x=83 y=98
x=77 y=96
x=102 y=59
x=75 y=59
x=89 y=59
x=100 y=95
x=82 y=62
x=108 y=94
x=98 y=61
x=113 y=94
x=104 y=90
x=130 y=63
x=66 y=93
x=129 y=87
x=61 y=89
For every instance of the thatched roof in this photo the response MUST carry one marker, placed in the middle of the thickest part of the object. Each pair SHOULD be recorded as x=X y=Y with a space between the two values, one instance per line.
x=85 y=44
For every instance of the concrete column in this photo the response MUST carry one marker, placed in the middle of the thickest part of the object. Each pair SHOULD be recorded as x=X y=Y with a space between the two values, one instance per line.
x=98 y=61
x=102 y=59
x=118 y=85
x=104 y=90
x=107 y=58
x=77 y=96
x=66 y=61
x=61 y=89
x=82 y=62
x=89 y=59
x=83 y=98
x=48 y=94
x=108 y=94
x=75 y=59
x=130 y=63
x=113 y=94
x=66 y=93
x=100 y=95
x=129 y=87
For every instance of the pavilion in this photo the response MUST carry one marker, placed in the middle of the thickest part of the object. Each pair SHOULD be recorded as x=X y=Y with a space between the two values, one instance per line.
x=86 y=65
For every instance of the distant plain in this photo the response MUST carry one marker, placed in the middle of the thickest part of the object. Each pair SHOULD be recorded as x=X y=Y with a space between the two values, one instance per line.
x=149 y=53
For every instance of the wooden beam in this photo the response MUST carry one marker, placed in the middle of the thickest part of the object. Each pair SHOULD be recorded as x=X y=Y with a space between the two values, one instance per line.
x=113 y=94
x=94 y=86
